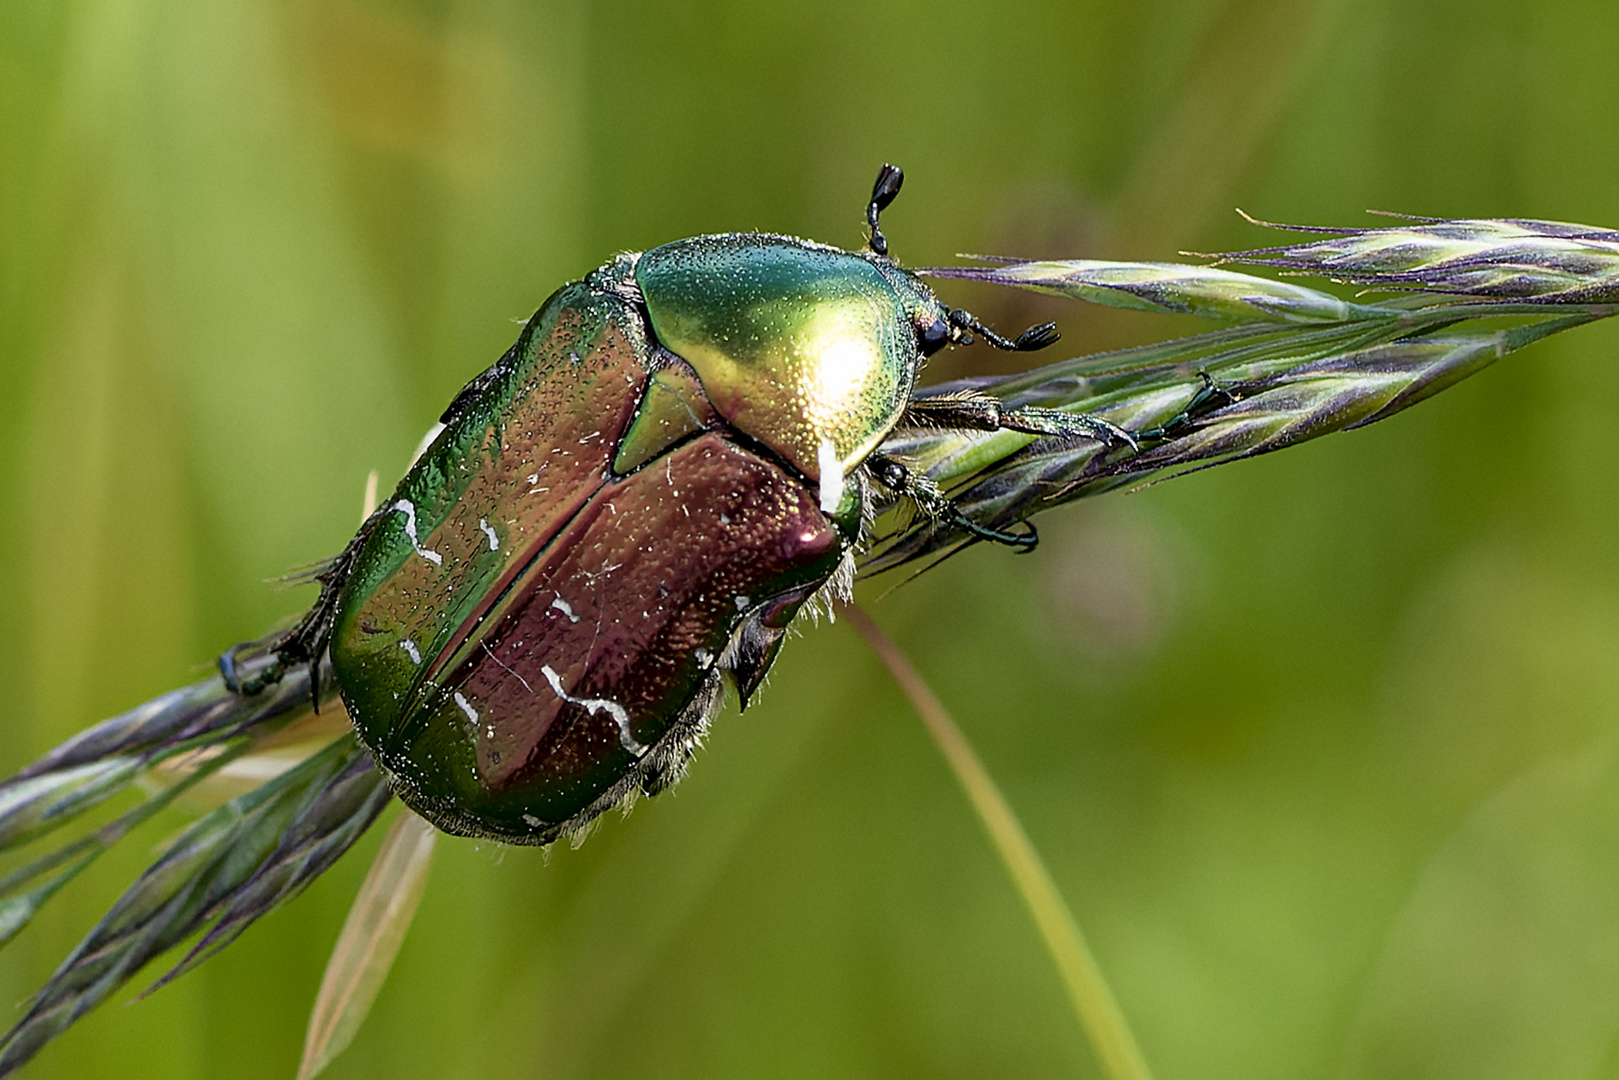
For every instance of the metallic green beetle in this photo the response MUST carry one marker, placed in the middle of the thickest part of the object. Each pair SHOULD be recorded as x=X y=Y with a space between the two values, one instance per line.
x=673 y=459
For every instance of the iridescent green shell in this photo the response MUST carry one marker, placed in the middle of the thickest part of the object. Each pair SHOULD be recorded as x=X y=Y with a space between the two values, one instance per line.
x=805 y=347
x=527 y=636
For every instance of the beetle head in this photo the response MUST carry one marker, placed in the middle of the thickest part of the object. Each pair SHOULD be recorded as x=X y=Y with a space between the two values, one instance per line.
x=935 y=324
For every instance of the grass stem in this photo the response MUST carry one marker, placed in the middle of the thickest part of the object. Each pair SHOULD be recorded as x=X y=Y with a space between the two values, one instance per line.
x=1093 y=1001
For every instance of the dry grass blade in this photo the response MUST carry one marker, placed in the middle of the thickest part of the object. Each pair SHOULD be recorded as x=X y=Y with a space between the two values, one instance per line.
x=268 y=755
x=371 y=937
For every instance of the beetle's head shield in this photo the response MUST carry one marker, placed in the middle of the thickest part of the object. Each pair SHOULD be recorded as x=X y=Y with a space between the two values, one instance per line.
x=809 y=349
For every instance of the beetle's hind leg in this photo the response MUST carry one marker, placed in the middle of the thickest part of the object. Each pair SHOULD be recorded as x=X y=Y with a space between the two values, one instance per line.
x=979 y=412
x=1210 y=397
x=940 y=507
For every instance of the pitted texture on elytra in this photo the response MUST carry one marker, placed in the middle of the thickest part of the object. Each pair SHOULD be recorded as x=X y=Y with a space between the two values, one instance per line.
x=507 y=474
x=596 y=650
x=525 y=625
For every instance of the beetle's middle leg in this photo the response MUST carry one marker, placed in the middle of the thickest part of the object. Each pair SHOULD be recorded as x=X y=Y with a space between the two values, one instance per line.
x=979 y=412
x=940 y=507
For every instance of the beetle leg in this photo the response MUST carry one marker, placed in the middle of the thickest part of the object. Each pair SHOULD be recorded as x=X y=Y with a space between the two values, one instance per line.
x=1209 y=397
x=306 y=642
x=941 y=508
x=1022 y=542
x=980 y=412
x=232 y=676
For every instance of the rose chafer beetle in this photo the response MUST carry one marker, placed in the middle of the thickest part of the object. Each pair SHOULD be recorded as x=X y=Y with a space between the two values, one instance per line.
x=674 y=459
x=680 y=453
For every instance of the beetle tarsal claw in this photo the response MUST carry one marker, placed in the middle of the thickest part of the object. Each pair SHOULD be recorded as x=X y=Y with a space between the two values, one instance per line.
x=231 y=672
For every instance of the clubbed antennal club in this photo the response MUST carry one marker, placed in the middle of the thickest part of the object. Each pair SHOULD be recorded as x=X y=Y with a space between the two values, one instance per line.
x=889 y=179
x=963 y=324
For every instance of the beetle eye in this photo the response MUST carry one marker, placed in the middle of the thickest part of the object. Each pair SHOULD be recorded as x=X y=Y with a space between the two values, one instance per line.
x=933 y=337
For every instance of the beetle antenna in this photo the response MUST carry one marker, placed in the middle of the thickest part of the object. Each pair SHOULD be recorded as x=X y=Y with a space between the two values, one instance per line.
x=889 y=178
x=1032 y=339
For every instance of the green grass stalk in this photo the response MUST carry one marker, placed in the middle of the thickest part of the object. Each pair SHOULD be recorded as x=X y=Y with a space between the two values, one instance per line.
x=1093 y=1001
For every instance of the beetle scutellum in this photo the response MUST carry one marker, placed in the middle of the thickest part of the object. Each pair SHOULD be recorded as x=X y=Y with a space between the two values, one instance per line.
x=674 y=458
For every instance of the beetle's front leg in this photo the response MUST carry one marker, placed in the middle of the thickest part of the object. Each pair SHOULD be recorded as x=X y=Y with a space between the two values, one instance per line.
x=894 y=476
x=980 y=412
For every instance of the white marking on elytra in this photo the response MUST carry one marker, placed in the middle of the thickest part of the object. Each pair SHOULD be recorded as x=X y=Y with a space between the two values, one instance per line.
x=563 y=606
x=703 y=657
x=531 y=821
x=494 y=541
x=411 y=651
x=742 y=603
x=466 y=707
x=408 y=508
x=831 y=475
x=620 y=715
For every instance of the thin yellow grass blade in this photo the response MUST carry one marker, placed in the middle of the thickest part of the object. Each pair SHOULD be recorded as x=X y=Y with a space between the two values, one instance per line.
x=1093 y=1001
x=372 y=934
x=368 y=502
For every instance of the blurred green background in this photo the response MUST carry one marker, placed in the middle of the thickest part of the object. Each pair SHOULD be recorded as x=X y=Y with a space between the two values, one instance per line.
x=1321 y=748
